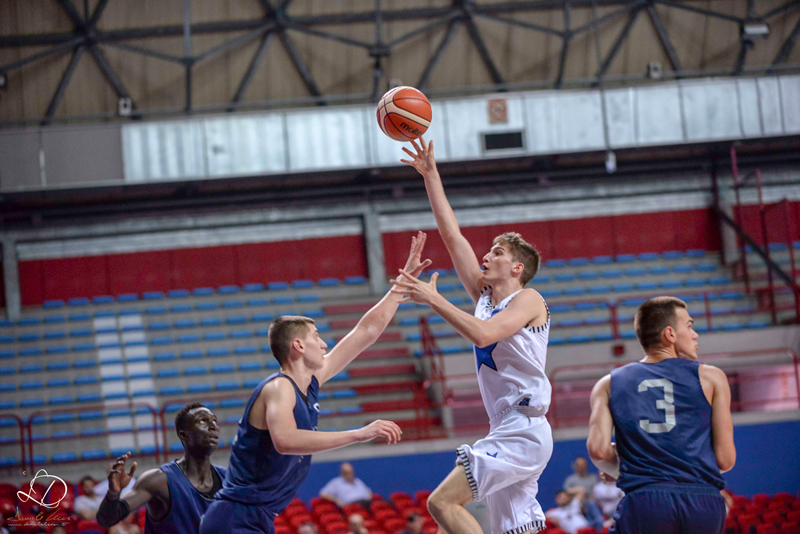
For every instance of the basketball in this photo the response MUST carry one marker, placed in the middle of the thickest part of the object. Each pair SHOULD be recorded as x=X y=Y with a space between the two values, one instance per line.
x=404 y=113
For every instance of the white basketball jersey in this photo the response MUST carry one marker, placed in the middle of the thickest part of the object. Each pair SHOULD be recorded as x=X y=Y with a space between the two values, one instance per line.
x=511 y=371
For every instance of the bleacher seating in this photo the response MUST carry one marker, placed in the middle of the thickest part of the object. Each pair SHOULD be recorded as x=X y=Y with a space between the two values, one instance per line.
x=161 y=347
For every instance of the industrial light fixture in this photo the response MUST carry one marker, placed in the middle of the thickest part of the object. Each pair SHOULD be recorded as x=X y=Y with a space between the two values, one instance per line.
x=125 y=107
x=654 y=70
x=752 y=30
x=611 y=162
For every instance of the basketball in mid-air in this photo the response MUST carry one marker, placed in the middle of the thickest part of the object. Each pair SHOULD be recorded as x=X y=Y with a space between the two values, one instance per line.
x=404 y=113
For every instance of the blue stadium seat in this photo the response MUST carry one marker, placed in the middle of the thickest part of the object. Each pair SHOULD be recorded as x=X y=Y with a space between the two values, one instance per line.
x=603 y=337
x=625 y=258
x=62 y=417
x=628 y=334
x=81 y=332
x=167 y=373
x=328 y=282
x=257 y=302
x=28 y=321
x=602 y=260
x=345 y=410
x=93 y=454
x=228 y=290
x=236 y=319
x=595 y=320
x=152 y=295
x=706 y=267
x=55 y=334
x=171 y=390
x=549 y=293
x=148 y=392
x=646 y=286
x=316 y=313
x=302 y=284
x=28 y=337
x=30 y=351
x=7 y=371
x=31 y=384
x=185 y=323
x=588 y=275
x=57 y=366
x=85 y=380
x=658 y=271
x=582 y=306
x=565 y=277
x=206 y=306
x=58 y=382
x=262 y=317
x=60 y=457
x=31 y=368
x=578 y=262
x=54 y=319
x=158 y=325
x=694 y=282
x=283 y=300
x=637 y=271
x=104 y=313
x=6 y=354
x=250 y=366
x=566 y=323
x=355 y=280
x=599 y=289
x=682 y=269
x=203 y=292
x=756 y=324
x=88 y=397
x=162 y=340
x=622 y=287
x=226 y=385
x=672 y=255
x=180 y=308
x=253 y=288
x=127 y=312
x=103 y=299
x=648 y=256
x=555 y=263
x=6 y=339
x=198 y=388
x=80 y=301
x=219 y=352
x=231 y=403
x=60 y=434
x=732 y=326
x=232 y=304
x=195 y=370
x=277 y=286
x=542 y=279
x=245 y=349
x=213 y=336
x=696 y=253
x=612 y=273
x=560 y=308
x=127 y=297
x=719 y=280
x=177 y=293
x=241 y=334
x=188 y=338
x=580 y=338
x=191 y=354
x=574 y=291
x=670 y=284
x=165 y=357
x=633 y=303
x=222 y=368
x=777 y=247
x=51 y=304
x=210 y=321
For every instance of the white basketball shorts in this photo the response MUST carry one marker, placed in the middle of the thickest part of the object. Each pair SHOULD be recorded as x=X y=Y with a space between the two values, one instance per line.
x=504 y=467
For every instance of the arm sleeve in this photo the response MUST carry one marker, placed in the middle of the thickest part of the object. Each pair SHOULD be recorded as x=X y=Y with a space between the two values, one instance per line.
x=112 y=512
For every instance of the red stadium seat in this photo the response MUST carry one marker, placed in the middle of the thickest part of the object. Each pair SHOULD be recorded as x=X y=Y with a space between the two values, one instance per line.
x=587 y=530
x=790 y=528
x=89 y=525
x=556 y=531
x=395 y=495
x=333 y=517
x=393 y=525
x=793 y=515
x=773 y=518
x=422 y=496
x=355 y=508
x=316 y=501
x=766 y=529
x=762 y=498
x=411 y=510
x=380 y=505
x=8 y=490
x=783 y=496
x=376 y=497
x=297 y=520
x=293 y=511
x=282 y=530
x=430 y=530
x=328 y=508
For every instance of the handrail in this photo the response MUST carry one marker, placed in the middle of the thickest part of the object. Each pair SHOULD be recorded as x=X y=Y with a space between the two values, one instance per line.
x=21 y=426
x=29 y=425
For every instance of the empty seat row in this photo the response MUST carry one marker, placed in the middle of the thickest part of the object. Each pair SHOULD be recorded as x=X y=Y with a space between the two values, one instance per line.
x=202 y=292
x=619 y=273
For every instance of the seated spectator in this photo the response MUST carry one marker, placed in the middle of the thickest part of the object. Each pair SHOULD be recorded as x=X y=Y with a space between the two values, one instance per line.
x=307 y=528
x=58 y=529
x=3 y=529
x=126 y=526
x=607 y=497
x=346 y=489
x=356 y=524
x=415 y=524
x=580 y=478
x=86 y=505
x=568 y=515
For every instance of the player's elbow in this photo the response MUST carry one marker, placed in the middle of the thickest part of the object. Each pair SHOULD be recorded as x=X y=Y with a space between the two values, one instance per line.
x=726 y=459
x=598 y=451
x=282 y=445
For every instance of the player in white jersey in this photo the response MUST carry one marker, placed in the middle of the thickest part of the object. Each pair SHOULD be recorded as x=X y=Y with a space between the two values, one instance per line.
x=509 y=330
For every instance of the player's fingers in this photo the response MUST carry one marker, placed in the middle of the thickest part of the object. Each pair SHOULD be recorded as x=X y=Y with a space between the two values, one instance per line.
x=133 y=468
x=430 y=148
x=401 y=283
x=416 y=147
x=403 y=271
x=423 y=143
x=434 y=277
x=425 y=264
x=407 y=151
x=407 y=162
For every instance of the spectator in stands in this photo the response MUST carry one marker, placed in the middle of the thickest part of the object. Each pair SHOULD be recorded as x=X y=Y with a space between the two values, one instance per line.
x=415 y=524
x=126 y=526
x=567 y=515
x=346 y=488
x=580 y=478
x=607 y=497
x=86 y=505
x=58 y=529
x=356 y=523
x=307 y=528
x=3 y=529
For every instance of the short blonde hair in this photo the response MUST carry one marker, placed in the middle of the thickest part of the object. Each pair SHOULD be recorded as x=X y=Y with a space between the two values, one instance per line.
x=521 y=251
x=283 y=331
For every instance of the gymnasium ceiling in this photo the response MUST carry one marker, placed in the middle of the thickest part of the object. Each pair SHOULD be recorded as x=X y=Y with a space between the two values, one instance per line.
x=68 y=60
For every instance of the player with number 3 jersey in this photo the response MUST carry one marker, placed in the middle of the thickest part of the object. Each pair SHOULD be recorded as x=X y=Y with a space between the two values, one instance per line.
x=674 y=434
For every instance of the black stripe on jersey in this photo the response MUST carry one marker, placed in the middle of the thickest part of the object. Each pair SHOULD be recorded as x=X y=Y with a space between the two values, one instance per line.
x=533 y=526
x=462 y=454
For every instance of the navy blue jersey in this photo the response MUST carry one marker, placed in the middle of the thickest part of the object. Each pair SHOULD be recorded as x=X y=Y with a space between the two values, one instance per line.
x=662 y=422
x=257 y=473
x=187 y=504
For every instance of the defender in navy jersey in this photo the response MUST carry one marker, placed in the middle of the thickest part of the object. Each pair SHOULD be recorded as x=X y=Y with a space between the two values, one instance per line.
x=277 y=435
x=178 y=493
x=674 y=434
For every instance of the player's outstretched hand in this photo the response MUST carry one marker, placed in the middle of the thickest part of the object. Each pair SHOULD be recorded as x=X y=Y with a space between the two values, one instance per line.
x=118 y=479
x=415 y=289
x=415 y=265
x=605 y=478
x=380 y=429
x=423 y=160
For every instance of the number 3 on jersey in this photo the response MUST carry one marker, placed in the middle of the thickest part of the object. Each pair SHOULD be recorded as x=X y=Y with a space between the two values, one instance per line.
x=666 y=405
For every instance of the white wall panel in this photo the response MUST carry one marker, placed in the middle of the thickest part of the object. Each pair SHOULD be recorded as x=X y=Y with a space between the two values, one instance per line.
x=769 y=98
x=468 y=118
x=749 y=113
x=242 y=145
x=790 y=98
x=327 y=139
x=621 y=117
x=658 y=115
x=711 y=110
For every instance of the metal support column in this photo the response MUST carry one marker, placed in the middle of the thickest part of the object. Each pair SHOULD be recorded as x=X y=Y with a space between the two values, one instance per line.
x=11 y=279
x=374 y=242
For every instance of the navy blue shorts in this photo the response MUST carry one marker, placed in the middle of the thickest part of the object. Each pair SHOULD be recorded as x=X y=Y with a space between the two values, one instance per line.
x=671 y=509
x=226 y=517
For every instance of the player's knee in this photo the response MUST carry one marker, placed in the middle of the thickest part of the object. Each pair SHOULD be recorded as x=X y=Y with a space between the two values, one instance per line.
x=436 y=504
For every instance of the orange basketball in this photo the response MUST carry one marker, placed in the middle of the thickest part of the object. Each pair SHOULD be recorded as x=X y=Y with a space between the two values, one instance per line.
x=404 y=113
